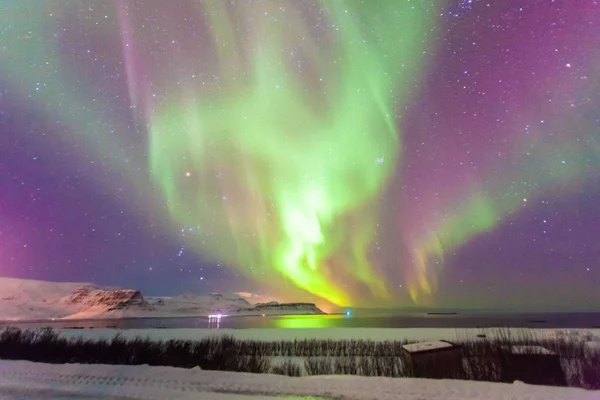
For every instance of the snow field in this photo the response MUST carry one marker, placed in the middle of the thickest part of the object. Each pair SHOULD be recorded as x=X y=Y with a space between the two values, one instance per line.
x=144 y=382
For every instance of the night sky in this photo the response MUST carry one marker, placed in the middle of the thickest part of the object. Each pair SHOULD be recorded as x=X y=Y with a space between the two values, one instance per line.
x=372 y=153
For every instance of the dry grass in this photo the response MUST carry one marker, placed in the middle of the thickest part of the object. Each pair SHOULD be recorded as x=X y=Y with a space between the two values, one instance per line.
x=483 y=359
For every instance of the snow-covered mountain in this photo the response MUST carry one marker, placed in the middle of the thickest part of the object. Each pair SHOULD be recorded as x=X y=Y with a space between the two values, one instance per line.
x=216 y=303
x=188 y=304
x=274 y=307
x=22 y=299
x=98 y=302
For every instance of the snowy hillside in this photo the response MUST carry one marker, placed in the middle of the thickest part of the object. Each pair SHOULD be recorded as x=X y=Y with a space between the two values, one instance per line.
x=22 y=299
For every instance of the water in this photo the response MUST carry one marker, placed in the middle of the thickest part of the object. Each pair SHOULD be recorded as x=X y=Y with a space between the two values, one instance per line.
x=364 y=320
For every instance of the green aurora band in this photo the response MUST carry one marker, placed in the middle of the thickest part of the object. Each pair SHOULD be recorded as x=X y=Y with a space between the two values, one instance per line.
x=282 y=168
x=285 y=168
x=558 y=166
x=32 y=63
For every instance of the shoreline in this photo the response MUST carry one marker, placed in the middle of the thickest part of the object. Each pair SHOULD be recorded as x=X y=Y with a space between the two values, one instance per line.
x=372 y=334
x=112 y=318
x=359 y=315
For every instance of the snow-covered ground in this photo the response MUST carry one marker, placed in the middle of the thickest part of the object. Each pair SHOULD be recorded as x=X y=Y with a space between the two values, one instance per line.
x=26 y=380
x=23 y=299
x=377 y=334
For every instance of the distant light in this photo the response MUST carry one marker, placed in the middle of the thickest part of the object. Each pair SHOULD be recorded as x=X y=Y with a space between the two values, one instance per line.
x=348 y=313
x=188 y=174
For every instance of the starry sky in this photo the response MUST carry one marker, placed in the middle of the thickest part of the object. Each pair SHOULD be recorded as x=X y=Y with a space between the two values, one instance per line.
x=365 y=153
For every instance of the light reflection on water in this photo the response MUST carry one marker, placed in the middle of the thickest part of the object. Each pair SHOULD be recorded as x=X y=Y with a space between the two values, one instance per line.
x=362 y=320
x=306 y=321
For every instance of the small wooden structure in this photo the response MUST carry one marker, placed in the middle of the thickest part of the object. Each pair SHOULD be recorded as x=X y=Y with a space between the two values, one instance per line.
x=437 y=359
x=534 y=365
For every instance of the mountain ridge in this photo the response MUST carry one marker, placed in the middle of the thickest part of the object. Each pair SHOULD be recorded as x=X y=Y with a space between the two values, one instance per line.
x=23 y=299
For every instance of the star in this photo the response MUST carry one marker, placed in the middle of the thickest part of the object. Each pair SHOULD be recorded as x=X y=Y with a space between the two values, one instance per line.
x=338 y=152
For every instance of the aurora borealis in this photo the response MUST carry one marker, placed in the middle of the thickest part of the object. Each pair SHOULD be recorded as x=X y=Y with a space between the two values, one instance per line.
x=388 y=153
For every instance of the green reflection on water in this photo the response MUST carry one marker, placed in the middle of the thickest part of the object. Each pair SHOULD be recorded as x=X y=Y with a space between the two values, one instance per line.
x=303 y=398
x=307 y=321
